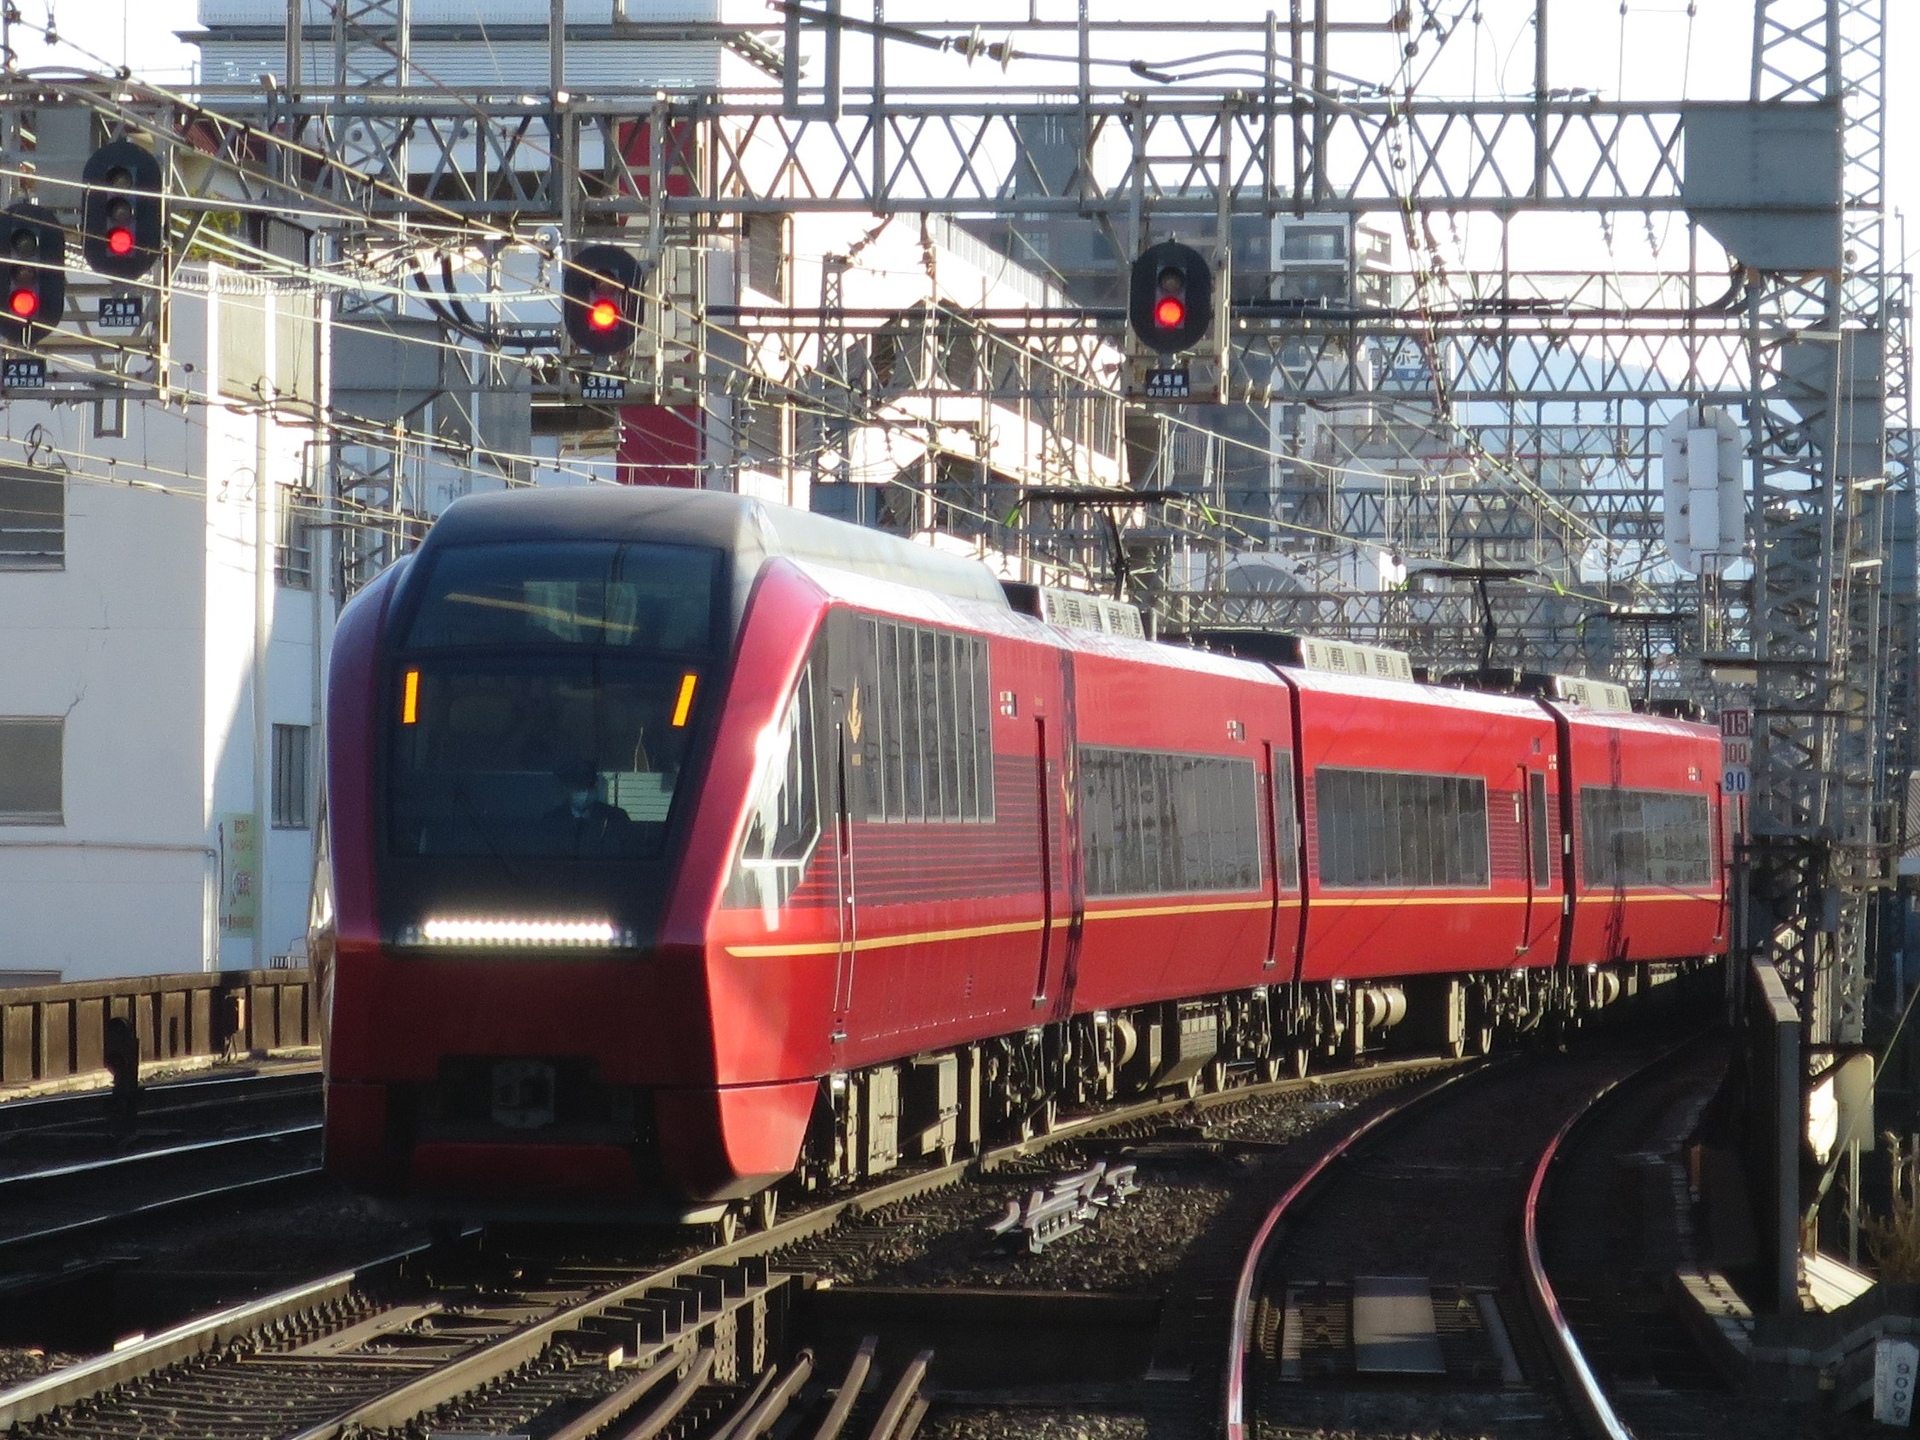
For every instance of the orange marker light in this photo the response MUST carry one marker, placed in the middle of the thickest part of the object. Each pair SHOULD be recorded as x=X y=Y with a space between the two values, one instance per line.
x=603 y=314
x=410 y=701
x=1170 y=313
x=684 y=705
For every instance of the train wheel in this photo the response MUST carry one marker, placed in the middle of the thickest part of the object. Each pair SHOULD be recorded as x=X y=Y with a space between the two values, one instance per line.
x=766 y=1209
x=1273 y=1068
x=1216 y=1076
x=727 y=1228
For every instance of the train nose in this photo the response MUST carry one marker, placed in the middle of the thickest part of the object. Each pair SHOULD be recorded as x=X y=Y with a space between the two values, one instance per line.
x=492 y=1128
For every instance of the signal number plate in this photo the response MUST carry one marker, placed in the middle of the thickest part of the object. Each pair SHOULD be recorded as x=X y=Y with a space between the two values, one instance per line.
x=1169 y=383
x=23 y=372
x=120 y=312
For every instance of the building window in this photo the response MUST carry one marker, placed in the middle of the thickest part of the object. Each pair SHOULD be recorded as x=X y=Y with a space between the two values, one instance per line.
x=292 y=747
x=293 y=556
x=1644 y=838
x=1162 y=824
x=1315 y=244
x=1379 y=829
x=33 y=519
x=920 y=725
x=30 y=769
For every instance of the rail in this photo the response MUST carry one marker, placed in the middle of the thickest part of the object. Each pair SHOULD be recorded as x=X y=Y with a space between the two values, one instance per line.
x=1592 y=1409
x=96 y=1194
x=1240 y=1328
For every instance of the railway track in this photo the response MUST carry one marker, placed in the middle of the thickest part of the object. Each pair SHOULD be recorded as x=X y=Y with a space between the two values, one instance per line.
x=491 y=1341
x=66 y=1171
x=1378 y=1299
x=54 y=1126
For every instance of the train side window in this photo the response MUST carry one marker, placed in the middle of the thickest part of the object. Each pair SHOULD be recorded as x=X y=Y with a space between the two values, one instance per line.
x=1154 y=823
x=894 y=725
x=982 y=732
x=926 y=740
x=1542 y=841
x=1647 y=838
x=783 y=815
x=1381 y=829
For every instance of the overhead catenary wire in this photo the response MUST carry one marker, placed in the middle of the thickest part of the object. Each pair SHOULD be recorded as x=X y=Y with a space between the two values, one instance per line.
x=797 y=398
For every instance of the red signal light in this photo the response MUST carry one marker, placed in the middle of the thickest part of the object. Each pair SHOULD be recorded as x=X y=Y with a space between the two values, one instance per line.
x=120 y=240
x=603 y=314
x=24 y=302
x=1170 y=312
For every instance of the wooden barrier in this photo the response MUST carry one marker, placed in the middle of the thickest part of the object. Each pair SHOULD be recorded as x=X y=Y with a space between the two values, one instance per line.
x=49 y=1032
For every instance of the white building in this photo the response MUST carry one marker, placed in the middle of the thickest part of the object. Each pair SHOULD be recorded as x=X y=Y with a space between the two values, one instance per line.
x=161 y=648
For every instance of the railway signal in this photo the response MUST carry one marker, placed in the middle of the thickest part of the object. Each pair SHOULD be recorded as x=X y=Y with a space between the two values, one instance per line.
x=33 y=259
x=1170 y=303
x=121 y=228
x=600 y=299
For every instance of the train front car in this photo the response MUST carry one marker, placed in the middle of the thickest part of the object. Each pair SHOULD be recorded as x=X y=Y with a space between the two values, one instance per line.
x=542 y=733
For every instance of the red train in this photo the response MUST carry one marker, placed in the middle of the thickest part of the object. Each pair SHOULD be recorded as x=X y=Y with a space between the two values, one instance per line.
x=684 y=844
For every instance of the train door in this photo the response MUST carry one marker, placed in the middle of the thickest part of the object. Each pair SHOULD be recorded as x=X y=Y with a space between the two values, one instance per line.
x=848 y=916
x=1042 y=779
x=1524 y=804
x=1283 y=857
x=852 y=705
x=1062 y=877
x=1560 y=760
x=1537 y=847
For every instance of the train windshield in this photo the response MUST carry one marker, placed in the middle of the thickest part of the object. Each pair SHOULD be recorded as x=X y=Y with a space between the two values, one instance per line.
x=547 y=696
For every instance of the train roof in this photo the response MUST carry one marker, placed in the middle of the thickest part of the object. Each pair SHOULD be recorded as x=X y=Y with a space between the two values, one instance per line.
x=917 y=605
x=1634 y=720
x=750 y=531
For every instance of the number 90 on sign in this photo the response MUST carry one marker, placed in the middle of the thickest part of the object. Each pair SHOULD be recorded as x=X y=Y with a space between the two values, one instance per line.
x=1736 y=780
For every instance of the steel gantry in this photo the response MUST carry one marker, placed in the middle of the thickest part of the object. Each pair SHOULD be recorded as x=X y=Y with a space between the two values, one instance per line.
x=1831 y=634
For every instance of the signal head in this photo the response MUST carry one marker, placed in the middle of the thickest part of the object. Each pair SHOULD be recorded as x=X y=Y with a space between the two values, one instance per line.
x=1170 y=305
x=33 y=274
x=600 y=299
x=123 y=232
